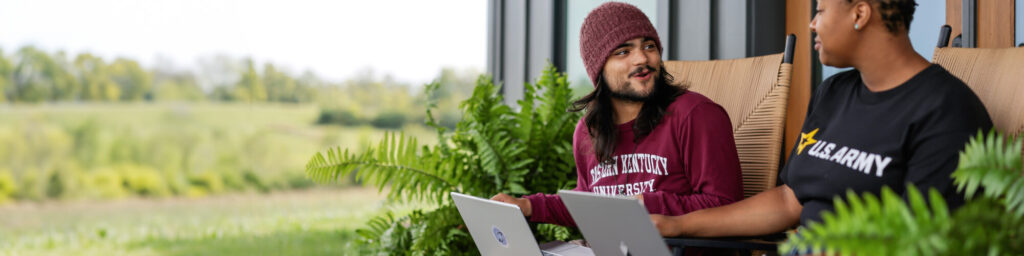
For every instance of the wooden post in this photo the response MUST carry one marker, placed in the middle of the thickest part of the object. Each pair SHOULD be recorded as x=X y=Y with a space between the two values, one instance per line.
x=995 y=22
x=798 y=19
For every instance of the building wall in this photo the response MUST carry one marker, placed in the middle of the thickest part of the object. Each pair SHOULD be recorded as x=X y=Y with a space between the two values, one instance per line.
x=525 y=35
x=984 y=23
x=703 y=30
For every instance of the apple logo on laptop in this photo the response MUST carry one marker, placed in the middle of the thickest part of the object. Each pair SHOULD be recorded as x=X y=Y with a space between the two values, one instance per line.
x=498 y=235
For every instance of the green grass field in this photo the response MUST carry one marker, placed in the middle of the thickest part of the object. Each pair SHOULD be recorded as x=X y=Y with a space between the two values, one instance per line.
x=310 y=222
x=177 y=179
x=85 y=151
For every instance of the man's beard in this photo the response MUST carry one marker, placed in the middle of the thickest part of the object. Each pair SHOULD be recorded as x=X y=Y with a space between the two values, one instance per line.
x=627 y=92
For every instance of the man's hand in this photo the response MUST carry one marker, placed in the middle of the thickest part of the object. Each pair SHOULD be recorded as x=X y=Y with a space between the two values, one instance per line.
x=523 y=203
x=666 y=225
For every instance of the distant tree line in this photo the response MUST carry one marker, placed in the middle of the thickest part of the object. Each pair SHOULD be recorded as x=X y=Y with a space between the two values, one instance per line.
x=31 y=75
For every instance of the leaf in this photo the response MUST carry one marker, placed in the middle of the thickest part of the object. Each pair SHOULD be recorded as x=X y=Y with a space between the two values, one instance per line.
x=993 y=162
x=869 y=225
x=494 y=148
x=990 y=223
x=396 y=161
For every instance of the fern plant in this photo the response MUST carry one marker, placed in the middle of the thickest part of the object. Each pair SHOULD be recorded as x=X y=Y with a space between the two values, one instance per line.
x=495 y=148
x=991 y=222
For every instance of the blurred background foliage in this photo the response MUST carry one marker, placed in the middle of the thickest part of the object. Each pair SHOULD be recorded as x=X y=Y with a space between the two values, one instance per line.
x=84 y=127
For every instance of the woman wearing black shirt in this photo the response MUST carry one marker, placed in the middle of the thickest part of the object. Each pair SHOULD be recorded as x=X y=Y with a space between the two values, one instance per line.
x=895 y=119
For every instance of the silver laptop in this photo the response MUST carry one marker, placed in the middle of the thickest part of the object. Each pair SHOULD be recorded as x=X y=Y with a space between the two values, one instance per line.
x=500 y=229
x=614 y=225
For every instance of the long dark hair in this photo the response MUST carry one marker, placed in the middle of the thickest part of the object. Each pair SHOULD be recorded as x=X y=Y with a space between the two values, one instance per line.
x=600 y=115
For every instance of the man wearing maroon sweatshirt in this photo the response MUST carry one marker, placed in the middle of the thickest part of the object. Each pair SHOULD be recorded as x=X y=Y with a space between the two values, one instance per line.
x=642 y=134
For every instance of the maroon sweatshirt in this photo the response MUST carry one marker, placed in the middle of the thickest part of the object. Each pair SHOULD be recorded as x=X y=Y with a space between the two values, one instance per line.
x=688 y=162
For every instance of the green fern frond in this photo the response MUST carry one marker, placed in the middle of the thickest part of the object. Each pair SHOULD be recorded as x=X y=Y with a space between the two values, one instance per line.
x=429 y=90
x=552 y=232
x=485 y=107
x=413 y=173
x=387 y=235
x=557 y=95
x=867 y=225
x=376 y=227
x=438 y=232
x=498 y=157
x=550 y=138
x=993 y=162
x=984 y=227
x=492 y=149
x=527 y=117
x=990 y=224
x=490 y=133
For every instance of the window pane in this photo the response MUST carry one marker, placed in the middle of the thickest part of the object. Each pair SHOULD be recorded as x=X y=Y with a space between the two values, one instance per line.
x=1020 y=22
x=924 y=29
x=577 y=11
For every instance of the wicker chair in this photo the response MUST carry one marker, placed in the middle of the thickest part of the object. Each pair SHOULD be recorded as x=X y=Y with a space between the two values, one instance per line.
x=754 y=92
x=996 y=75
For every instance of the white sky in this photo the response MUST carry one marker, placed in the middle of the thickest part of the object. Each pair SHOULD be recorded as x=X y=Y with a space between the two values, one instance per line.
x=411 y=40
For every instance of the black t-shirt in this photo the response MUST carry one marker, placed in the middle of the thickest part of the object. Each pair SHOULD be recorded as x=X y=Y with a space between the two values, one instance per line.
x=855 y=139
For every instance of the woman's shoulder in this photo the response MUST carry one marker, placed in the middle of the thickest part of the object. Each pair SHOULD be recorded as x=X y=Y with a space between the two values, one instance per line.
x=944 y=93
x=937 y=88
x=940 y=81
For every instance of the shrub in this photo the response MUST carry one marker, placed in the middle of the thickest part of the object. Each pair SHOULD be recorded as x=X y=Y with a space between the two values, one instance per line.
x=196 y=191
x=338 y=116
x=177 y=183
x=31 y=184
x=144 y=181
x=106 y=183
x=298 y=181
x=55 y=185
x=255 y=181
x=234 y=181
x=7 y=186
x=389 y=120
x=209 y=182
x=67 y=181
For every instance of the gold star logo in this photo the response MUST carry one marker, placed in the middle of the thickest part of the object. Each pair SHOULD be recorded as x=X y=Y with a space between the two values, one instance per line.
x=806 y=139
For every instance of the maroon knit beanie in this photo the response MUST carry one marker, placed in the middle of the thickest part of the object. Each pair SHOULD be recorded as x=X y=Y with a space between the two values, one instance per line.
x=607 y=27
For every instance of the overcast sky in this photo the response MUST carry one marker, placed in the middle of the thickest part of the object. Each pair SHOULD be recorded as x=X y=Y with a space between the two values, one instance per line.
x=411 y=40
